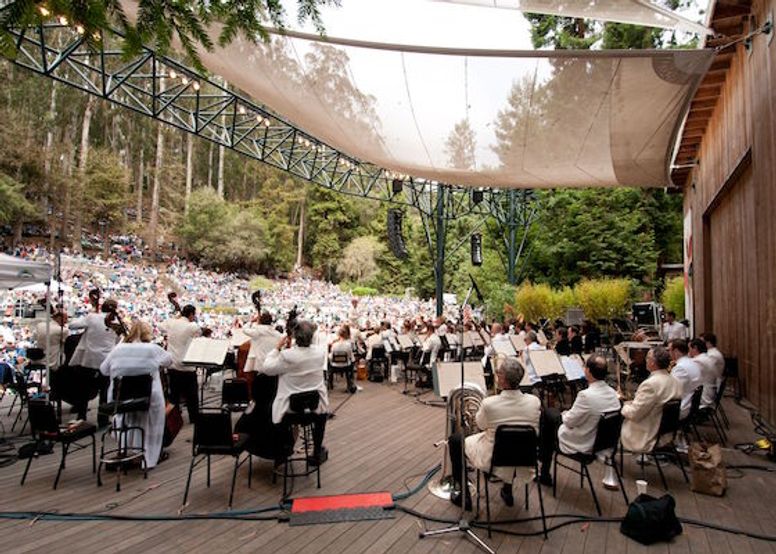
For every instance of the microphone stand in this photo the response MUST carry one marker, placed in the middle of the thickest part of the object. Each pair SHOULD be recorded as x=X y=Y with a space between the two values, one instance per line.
x=464 y=523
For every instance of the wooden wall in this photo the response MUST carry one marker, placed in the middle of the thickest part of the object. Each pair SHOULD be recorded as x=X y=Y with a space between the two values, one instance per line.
x=732 y=195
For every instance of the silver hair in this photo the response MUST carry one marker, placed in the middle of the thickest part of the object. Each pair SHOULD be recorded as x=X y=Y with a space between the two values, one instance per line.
x=513 y=372
x=532 y=336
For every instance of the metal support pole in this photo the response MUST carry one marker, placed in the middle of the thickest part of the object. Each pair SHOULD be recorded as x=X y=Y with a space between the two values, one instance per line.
x=512 y=246
x=441 y=233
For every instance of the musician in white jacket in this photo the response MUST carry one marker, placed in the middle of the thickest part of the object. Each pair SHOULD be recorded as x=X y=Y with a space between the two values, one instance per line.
x=510 y=407
x=575 y=429
x=264 y=337
x=96 y=343
x=138 y=356
x=300 y=368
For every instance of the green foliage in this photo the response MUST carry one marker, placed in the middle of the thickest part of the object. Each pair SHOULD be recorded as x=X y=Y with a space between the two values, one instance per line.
x=14 y=207
x=673 y=297
x=603 y=298
x=359 y=260
x=535 y=301
x=223 y=235
x=158 y=23
x=363 y=291
x=106 y=188
x=260 y=282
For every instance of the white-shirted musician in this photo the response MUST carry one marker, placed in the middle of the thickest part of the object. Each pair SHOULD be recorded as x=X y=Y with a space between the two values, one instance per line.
x=672 y=329
x=182 y=379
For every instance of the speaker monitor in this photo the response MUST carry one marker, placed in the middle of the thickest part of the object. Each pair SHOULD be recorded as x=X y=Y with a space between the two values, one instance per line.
x=476 y=249
x=395 y=236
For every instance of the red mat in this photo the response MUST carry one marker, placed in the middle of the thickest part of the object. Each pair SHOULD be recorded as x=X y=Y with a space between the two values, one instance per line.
x=342 y=502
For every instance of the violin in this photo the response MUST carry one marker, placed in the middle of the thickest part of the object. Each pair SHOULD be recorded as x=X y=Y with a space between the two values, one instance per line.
x=256 y=299
x=114 y=322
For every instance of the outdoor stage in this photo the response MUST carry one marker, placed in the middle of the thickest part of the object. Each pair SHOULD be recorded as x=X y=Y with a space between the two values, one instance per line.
x=379 y=440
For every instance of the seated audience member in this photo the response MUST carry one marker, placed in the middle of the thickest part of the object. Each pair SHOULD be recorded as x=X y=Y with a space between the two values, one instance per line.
x=509 y=407
x=719 y=364
x=699 y=354
x=575 y=340
x=575 y=429
x=686 y=371
x=342 y=348
x=300 y=368
x=642 y=414
x=138 y=356
x=562 y=344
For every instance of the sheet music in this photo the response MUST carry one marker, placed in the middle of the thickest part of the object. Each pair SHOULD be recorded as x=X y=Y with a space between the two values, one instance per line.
x=574 y=367
x=504 y=347
x=204 y=351
x=405 y=341
x=238 y=338
x=546 y=362
x=447 y=376
x=517 y=342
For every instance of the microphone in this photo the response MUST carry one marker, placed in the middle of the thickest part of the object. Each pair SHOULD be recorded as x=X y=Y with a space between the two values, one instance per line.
x=476 y=289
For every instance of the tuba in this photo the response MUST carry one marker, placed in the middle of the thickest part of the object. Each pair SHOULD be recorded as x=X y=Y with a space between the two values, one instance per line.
x=457 y=422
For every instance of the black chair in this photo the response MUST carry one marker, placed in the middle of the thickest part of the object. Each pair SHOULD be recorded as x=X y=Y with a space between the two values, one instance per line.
x=669 y=426
x=419 y=362
x=378 y=365
x=131 y=394
x=690 y=423
x=714 y=414
x=340 y=363
x=515 y=446
x=235 y=396
x=213 y=437
x=731 y=372
x=45 y=428
x=302 y=406
x=22 y=384
x=607 y=438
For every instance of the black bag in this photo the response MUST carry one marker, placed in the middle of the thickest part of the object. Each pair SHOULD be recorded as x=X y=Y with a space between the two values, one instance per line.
x=650 y=520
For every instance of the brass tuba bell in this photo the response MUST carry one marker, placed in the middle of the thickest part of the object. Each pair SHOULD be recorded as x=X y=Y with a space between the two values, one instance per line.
x=457 y=422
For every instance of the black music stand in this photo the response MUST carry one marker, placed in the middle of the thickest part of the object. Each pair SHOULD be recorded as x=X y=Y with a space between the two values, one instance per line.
x=464 y=524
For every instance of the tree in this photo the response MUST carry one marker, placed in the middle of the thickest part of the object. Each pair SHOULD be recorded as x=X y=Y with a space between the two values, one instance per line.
x=460 y=146
x=106 y=188
x=14 y=206
x=359 y=260
x=157 y=23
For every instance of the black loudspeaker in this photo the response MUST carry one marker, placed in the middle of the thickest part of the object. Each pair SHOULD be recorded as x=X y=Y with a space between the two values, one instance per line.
x=395 y=236
x=476 y=249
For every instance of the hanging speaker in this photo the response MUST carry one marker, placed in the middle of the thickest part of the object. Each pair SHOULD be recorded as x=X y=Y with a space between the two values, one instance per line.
x=395 y=236
x=476 y=249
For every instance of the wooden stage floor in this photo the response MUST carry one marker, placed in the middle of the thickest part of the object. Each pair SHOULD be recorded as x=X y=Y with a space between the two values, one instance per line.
x=379 y=440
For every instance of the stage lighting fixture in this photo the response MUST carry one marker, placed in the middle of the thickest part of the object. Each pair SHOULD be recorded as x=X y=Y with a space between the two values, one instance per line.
x=477 y=196
x=476 y=249
x=397 y=185
x=395 y=236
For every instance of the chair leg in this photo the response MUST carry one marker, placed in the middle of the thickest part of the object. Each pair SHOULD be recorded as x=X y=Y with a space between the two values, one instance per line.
x=94 y=454
x=723 y=415
x=681 y=465
x=555 y=475
x=478 y=491
x=526 y=497
x=660 y=471
x=487 y=502
x=29 y=463
x=592 y=489
x=234 y=478
x=541 y=509
x=65 y=447
x=619 y=480
x=250 y=469
x=188 y=481
x=208 y=470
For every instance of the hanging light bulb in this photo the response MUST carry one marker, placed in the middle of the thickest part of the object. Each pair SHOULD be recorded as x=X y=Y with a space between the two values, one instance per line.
x=44 y=11
x=195 y=85
x=62 y=20
x=173 y=75
x=80 y=29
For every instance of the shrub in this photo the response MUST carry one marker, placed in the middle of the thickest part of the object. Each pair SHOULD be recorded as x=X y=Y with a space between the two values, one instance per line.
x=261 y=282
x=534 y=301
x=363 y=291
x=673 y=297
x=603 y=298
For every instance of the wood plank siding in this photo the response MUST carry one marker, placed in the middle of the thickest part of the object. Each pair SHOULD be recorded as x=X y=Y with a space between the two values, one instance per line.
x=726 y=164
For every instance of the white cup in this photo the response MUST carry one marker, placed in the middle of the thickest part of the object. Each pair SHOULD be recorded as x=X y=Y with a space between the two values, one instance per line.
x=641 y=486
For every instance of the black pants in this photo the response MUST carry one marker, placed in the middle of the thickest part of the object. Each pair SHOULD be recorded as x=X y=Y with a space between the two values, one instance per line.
x=548 y=439
x=86 y=383
x=319 y=430
x=457 y=461
x=184 y=384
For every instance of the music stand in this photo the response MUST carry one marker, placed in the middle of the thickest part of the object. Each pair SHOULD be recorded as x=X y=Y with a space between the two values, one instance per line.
x=207 y=354
x=463 y=525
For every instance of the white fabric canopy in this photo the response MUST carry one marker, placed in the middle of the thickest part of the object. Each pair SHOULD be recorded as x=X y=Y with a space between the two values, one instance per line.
x=41 y=287
x=480 y=118
x=17 y=272
x=636 y=12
